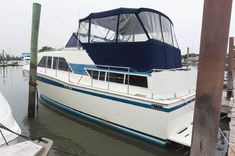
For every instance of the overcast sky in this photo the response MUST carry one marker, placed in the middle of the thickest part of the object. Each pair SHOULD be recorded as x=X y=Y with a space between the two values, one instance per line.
x=59 y=19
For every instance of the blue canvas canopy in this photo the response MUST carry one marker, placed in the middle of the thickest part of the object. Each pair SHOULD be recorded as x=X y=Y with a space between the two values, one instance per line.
x=121 y=11
x=142 y=39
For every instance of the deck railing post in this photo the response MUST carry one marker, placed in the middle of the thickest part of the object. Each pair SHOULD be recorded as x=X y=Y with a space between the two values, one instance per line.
x=68 y=73
x=230 y=69
x=108 y=78
x=56 y=72
x=57 y=67
x=91 y=78
x=128 y=86
x=213 y=46
x=46 y=66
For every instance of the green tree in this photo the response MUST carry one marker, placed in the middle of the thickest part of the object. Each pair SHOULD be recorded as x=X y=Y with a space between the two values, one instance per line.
x=46 y=48
x=8 y=57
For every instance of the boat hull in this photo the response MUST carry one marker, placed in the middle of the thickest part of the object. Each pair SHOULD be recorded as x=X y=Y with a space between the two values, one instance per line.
x=128 y=115
x=7 y=120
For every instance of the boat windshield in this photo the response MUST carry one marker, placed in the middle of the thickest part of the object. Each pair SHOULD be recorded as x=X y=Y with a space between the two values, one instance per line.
x=158 y=27
x=128 y=27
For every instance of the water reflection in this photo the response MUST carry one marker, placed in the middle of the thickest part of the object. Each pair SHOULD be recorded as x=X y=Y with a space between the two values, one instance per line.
x=88 y=139
x=73 y=134
x=3 y=74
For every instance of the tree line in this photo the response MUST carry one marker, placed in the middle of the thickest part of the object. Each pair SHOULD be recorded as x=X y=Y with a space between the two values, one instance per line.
x=7 y=57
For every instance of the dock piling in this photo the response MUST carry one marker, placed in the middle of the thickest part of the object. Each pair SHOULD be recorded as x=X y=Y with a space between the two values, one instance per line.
x=33 y=59
x=187 y=61
x=214 y=39
x=230 y=69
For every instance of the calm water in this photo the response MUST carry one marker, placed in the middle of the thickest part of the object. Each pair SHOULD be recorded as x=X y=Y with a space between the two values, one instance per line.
x=72 y=134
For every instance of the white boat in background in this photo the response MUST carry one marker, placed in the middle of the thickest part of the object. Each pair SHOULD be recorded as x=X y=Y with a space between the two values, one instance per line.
x=25 y=62
x=25 y=58
x=124 y=71
x=9 y=131
x=7 y=120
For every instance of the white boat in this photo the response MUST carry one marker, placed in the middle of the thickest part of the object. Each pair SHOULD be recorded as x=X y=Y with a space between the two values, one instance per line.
x=25 y=58
x=7 y=120
x=124 y=73
x=9 y=133
x=25 y=62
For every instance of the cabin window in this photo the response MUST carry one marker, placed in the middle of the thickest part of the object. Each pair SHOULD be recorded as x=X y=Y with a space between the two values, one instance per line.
x=115 y=77
x=102 y=75
x=94 y=74
x=42 y=62
x=49 y=61
x=63 y=65
x=130 y=29
x=151 y=23
x=100 y=32
x=166 y=30
x=84 y=31
x=55 y=62
x=136 y=80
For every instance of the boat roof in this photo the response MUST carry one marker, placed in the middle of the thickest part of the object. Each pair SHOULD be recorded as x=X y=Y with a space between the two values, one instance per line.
x=121 y=11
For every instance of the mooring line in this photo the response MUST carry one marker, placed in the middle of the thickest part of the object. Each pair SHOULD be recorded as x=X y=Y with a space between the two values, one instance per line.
x=28 y=138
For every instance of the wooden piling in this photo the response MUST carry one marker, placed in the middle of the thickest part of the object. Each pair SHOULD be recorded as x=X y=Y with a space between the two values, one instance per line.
x=214 y=39
x=187 y=63
x=33 y=59
x=230 y=69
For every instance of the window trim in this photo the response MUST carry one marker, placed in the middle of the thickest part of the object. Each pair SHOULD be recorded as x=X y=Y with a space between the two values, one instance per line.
x=52 y=63
x=125 y=75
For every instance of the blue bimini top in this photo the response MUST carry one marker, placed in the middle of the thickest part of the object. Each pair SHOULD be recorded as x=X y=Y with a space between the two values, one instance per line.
x=142 y=39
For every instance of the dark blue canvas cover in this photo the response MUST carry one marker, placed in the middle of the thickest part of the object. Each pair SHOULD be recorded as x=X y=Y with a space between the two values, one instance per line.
x=140 y=56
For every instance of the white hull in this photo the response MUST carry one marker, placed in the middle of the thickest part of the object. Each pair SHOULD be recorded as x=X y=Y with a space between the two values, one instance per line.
x=128 y=114
x=25 y=71
x=7 y=120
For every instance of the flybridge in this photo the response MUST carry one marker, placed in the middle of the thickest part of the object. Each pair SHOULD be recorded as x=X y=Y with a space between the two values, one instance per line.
x=142 y=39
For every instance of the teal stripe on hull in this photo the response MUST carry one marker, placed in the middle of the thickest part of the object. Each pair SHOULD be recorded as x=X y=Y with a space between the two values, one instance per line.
x=125 y=130
x=124 y=101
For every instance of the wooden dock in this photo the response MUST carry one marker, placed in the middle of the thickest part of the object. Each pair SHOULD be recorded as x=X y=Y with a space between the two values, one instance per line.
x=228 y=103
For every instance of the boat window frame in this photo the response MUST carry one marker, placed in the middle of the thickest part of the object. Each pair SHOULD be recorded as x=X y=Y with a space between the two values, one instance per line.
x=171 y=33
x=52 y=63
x=167 y=39
x=125 y=77
x=88 y=31
x=117 y=29
x=42 y=65
x=68 y=68
x=56 y=63
x=144 y=26
x=49 y=65
x=92 y=25
x=140 y=24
